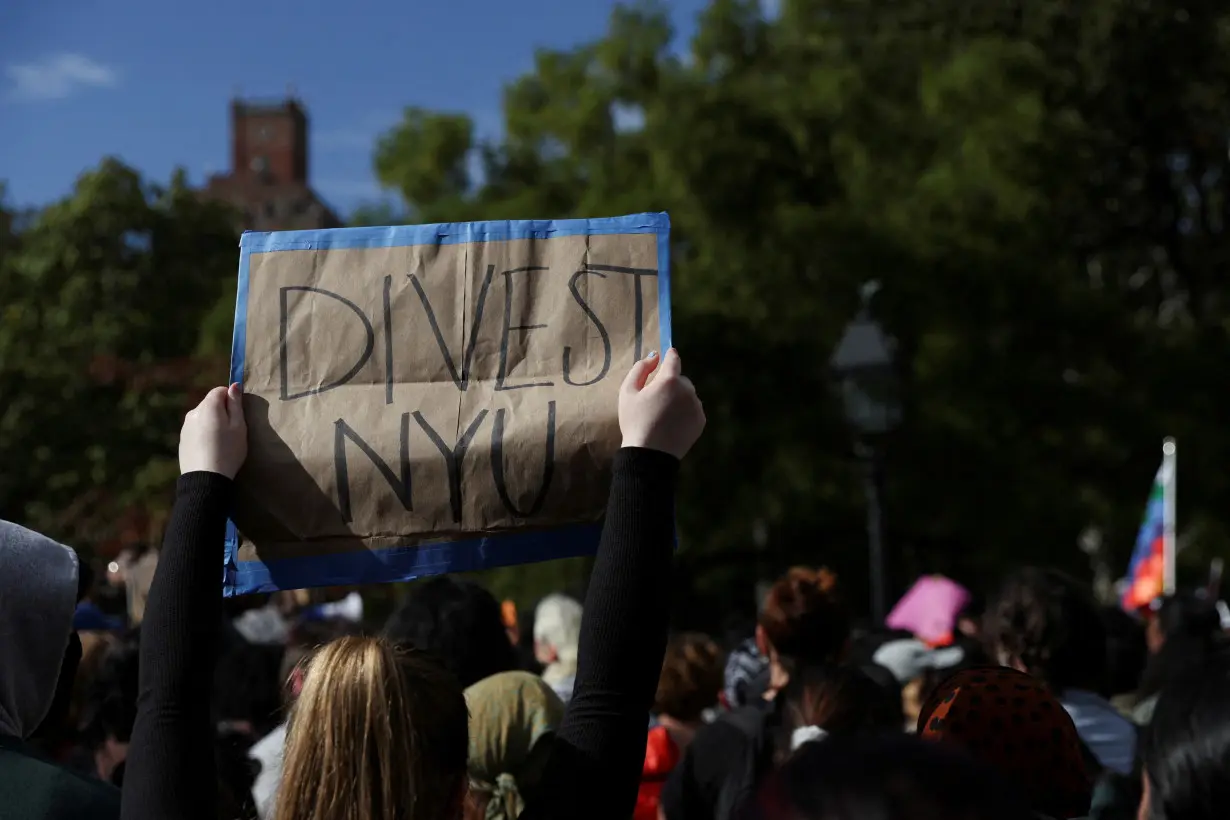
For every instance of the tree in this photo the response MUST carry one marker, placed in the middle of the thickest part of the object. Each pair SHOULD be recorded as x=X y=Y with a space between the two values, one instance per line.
x=1041 y=189
x=103 y=296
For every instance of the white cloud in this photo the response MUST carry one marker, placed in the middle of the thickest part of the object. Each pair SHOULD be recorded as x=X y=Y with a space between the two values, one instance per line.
x=58 y=76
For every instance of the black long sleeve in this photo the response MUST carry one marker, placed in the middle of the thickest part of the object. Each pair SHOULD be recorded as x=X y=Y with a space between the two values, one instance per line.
x=596 y=760
x=597 y=756
x=170 y=773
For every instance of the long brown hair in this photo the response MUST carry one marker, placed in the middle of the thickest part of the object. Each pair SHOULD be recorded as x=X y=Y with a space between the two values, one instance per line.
x=378 y=733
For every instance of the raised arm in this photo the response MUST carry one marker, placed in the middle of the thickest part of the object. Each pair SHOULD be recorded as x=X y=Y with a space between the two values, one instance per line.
x=596 y=760
x=170 y=773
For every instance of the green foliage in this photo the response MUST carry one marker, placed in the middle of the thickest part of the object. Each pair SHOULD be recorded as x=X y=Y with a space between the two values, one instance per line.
x=1040 y=189
x=103 y=295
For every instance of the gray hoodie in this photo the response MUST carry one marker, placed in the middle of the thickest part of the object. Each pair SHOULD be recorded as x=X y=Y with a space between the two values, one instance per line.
x=38 y=592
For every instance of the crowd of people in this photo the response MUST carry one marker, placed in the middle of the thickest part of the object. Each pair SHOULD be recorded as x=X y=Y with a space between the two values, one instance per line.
x=1035 y=702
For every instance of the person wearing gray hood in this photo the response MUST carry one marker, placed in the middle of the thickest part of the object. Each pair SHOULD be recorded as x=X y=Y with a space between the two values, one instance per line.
x=38 y=658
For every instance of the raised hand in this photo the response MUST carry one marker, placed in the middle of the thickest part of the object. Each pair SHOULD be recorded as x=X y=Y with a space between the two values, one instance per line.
x=664 y=414
x=214 y=437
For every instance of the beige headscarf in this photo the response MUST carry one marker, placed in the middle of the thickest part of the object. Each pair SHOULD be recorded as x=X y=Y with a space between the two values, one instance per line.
x=510 y=713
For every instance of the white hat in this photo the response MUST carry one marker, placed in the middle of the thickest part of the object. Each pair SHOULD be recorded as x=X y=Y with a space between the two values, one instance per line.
x=908 y=658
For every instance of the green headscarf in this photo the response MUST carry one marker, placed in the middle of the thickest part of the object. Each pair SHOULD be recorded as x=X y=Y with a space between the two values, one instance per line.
x=509 y=714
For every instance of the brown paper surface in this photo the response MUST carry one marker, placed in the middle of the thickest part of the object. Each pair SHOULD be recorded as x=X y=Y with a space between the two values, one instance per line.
x=333 y=376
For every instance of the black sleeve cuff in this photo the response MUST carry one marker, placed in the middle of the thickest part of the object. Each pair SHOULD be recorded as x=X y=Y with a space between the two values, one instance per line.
x=644 y=464
x=203 y=488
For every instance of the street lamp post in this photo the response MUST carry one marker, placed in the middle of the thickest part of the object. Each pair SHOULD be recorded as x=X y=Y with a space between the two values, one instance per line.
x=866 y=375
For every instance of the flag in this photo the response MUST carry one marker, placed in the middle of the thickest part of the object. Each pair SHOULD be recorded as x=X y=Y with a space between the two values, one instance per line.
x=1151 y=571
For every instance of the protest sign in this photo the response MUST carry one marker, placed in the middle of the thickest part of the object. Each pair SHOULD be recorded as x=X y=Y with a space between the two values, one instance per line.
x=434 y=398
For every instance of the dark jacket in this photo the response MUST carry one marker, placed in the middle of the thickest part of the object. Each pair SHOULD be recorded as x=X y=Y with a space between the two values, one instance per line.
x=724 y=763
x=35 y=789
x=38 y=593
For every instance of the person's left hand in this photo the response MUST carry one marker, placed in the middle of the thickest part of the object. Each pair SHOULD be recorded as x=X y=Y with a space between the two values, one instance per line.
x=214 y=437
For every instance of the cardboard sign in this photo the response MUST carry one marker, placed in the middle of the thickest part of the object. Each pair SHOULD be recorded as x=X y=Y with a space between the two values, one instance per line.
x=434 y=398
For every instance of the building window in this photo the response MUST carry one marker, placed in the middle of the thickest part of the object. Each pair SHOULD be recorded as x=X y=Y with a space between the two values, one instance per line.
x=260 y=165
x=271 y=209
x=264 y=134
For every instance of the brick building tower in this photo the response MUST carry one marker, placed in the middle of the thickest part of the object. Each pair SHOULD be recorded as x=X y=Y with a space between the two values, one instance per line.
x=268 y=180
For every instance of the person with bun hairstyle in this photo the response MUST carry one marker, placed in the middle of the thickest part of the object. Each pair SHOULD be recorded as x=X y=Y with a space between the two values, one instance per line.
x=803 y=622
x=380 y=731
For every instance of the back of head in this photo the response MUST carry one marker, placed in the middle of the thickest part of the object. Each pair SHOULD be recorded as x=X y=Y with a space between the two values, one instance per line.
x=839 y=700
x=691 y=678
x=304 y=640
x=557 y=623
x=513 y=716
x=1126 y=652
x=1185 y=628
x=1048 y=623
x=379 y=732
x=460 y=623
x=247 y=693
x=1012 y=722
x=38 y=593
x=1188 y=614
x=888 y=778
x=1187 y=744
x=802 y=617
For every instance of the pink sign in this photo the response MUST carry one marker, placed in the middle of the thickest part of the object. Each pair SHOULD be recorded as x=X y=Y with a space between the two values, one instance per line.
x=930 y=608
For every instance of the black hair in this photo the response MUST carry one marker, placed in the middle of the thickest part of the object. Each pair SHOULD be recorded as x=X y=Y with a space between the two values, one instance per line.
x=1050 y=623
x=889 y=687
x=1126 y=652
x=237 y=774
x=458 y=621
x=1187 y=745
x=887 y=777
x=1189 y=613
x=975 y=607
x=247 y=687
x=1191 y=625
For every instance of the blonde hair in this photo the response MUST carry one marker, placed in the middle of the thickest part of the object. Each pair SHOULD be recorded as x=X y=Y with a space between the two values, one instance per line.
x=378 y=733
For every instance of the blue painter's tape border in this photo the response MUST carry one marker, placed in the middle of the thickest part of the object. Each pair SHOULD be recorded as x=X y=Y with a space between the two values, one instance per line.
x=452 y=233
x=408 y=563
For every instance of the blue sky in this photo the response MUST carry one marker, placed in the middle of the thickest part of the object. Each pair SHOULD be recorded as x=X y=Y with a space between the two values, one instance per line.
x=149 y=81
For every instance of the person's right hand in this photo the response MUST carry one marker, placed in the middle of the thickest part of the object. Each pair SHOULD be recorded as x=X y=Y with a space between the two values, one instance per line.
x=214 y=437
x=663 y=415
